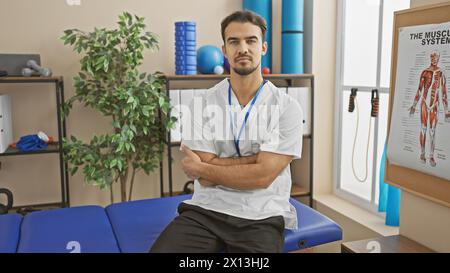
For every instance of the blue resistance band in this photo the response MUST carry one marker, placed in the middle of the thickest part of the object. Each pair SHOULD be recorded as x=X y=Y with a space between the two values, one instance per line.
x=236 y=141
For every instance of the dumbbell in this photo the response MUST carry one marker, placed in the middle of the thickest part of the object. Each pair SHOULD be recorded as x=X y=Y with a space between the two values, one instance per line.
x=28 y=72
x=33 y=68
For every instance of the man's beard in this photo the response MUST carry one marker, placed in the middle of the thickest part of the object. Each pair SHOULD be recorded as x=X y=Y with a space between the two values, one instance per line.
x=245 y=71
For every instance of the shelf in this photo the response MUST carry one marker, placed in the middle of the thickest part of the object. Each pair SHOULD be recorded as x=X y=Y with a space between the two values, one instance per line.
x=30 y=79
x=297 y=191
x=223 y=76
x=52 y=148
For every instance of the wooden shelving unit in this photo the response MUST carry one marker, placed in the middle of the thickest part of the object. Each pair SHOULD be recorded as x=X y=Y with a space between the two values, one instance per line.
x=52 y=148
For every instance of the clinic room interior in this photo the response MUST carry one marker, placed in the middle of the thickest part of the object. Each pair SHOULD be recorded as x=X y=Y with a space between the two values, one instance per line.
x=361 y=183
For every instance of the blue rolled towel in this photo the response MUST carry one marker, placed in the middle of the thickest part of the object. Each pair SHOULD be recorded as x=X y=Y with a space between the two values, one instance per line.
x=31 y=143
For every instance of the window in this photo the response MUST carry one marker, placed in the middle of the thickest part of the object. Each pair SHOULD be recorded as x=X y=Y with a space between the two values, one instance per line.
x=363 y=61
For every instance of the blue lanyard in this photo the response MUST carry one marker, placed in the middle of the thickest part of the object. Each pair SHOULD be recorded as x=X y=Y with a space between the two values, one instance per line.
x=236 y=141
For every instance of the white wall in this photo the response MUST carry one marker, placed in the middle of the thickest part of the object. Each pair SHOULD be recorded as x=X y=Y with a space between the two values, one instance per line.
x=324 y=66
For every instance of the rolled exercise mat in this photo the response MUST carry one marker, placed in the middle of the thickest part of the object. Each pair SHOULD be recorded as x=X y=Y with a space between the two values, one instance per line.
x=264 y=9
x=292 y=15
x=292 y=37
x=292 y=53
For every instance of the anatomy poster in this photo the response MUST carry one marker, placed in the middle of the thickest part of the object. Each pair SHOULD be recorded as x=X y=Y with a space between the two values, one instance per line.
x=419 y=135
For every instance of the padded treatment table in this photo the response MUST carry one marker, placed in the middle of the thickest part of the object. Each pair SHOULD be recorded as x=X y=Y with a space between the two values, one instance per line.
x=9 y=232
x=54 y=230
x=130 y=227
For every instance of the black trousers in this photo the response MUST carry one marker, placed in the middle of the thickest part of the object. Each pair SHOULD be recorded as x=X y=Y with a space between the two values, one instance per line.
x=197 y=230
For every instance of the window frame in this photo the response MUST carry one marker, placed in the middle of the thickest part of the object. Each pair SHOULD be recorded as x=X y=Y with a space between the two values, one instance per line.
x=338 y=118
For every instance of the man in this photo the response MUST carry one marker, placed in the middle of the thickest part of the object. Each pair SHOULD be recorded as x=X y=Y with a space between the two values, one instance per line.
x=431 y=77
x=242 y=187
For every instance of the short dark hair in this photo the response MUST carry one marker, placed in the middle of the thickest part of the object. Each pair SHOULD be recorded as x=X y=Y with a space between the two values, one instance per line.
x=245 y=17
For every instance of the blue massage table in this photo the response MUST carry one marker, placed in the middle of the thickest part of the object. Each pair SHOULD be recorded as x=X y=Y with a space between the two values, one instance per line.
x=129 y=227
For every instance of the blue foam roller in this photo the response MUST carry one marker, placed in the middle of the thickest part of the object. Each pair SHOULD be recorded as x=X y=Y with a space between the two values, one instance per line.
x=184 y=64
x=181 y=38
x=185 y=53
x=181 y=53
x=183 y=31
x=185 y=23
x=185 y=48
x=180 y=33
x=182 y=42
x=264 y=9
x=191 y=72
x=186 y=67
x=292 y=53
x=186 y=59
x=185 y=43
x=185 y=72
x=292 y=15
x=187 y=35
x=185 y=28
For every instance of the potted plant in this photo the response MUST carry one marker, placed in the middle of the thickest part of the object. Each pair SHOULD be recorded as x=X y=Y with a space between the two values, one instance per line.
x=110 y=82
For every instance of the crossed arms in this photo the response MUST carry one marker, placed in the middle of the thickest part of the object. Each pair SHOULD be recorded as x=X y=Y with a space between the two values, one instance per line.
x=244 y=173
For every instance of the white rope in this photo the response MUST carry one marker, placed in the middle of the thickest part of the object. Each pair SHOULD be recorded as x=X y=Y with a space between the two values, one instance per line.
x=362 y=180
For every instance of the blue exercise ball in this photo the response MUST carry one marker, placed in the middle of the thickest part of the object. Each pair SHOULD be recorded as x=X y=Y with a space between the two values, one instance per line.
x=208 y=57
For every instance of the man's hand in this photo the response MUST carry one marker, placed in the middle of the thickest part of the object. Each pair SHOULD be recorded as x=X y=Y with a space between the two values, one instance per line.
x=189 y=166
x=189 y=153
x=189 y=163
x=412 y=110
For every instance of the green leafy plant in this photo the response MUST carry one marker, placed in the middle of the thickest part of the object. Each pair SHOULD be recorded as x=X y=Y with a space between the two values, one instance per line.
x=111 y=83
